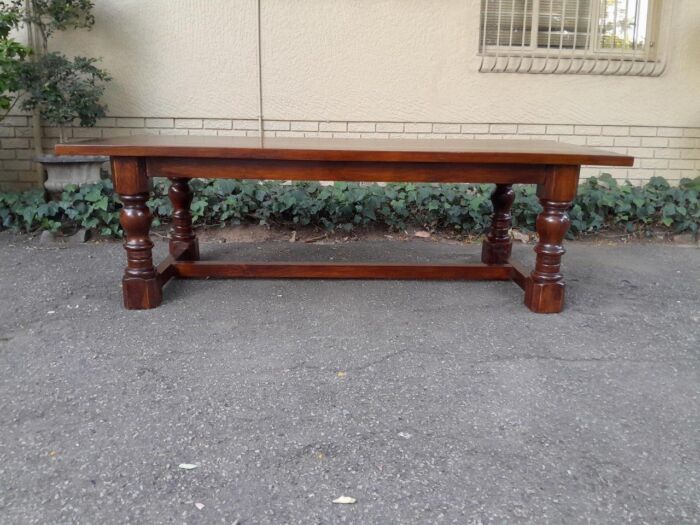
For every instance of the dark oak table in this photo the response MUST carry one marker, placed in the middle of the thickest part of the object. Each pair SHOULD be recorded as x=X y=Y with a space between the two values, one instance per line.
x=553 y=167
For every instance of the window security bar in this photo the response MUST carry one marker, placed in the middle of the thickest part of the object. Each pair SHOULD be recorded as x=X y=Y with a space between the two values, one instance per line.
x=585 y=37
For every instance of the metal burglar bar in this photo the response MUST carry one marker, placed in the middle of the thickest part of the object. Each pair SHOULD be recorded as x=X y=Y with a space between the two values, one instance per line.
x=592 y=37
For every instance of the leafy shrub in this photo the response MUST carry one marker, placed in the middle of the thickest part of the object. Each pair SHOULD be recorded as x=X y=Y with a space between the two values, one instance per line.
x=50 y=16
x=64 y=89
x=601 y=204
x=12 y=55
x=93 y=206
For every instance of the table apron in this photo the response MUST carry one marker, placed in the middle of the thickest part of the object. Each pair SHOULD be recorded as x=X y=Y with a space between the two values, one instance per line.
x=346 y=170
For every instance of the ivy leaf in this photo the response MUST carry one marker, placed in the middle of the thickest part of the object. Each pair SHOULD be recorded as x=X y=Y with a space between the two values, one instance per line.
x=669 y=210
x=93 y=195
x=101 y=204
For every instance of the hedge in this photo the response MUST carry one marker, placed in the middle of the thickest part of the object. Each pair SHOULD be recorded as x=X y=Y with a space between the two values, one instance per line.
x=601 y=204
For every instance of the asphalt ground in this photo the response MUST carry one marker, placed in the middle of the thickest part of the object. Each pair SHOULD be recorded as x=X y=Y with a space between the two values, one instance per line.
x=427 y=402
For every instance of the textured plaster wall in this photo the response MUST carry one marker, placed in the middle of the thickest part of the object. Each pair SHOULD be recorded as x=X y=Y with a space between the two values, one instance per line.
x=174 y=57
x=360 y=60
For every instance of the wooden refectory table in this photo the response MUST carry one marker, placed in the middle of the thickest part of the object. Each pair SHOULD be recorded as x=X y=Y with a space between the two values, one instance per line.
x=554 y=167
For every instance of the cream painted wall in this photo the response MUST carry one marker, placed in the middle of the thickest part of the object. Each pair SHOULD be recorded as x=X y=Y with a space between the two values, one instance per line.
x=174 y=57
x=359 y=60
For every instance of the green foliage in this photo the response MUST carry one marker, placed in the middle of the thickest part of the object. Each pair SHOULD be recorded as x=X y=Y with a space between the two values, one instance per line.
x=64 y=89
x=49 y=16
x=10 y=15
x=12 y=55
x=601 y=204
x=92 y=206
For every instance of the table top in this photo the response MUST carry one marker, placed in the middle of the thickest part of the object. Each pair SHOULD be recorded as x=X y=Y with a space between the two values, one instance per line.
x=491 y=151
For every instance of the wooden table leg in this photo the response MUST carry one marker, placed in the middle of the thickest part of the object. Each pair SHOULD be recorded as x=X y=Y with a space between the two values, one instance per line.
x=497 y=245
x=183 y=241
x=140 y=284
x=544 y=292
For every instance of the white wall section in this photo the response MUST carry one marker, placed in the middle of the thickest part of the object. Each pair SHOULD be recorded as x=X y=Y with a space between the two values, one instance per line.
x=359 y=60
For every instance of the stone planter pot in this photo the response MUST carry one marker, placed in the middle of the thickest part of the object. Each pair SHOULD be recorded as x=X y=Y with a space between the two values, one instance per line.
x=71 y=169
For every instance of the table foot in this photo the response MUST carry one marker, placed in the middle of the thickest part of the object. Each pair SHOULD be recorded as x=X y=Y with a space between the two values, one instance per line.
x=185 y=251
x=544 y=298
x=142 y=294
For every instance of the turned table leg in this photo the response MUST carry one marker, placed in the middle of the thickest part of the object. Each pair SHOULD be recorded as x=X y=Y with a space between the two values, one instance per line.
x=497 y=245
x=545 y=289
x=140 y=284
x=183 y=241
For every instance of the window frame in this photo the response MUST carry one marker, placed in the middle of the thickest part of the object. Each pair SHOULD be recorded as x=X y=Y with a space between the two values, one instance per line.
x=592 y=51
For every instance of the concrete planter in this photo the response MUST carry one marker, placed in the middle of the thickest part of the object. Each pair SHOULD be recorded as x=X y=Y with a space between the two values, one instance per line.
x=65 y=170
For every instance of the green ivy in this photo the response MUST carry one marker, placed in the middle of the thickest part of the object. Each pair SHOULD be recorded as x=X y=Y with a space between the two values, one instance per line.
x=93 y=206
x=601 y=204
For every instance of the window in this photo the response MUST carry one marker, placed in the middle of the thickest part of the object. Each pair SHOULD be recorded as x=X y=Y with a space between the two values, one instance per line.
x=571 y=36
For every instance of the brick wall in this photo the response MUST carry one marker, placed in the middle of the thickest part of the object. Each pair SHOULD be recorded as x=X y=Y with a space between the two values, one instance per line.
x=673 y=153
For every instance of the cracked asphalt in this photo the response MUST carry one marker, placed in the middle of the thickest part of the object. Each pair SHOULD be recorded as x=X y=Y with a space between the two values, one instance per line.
x=428 y=402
